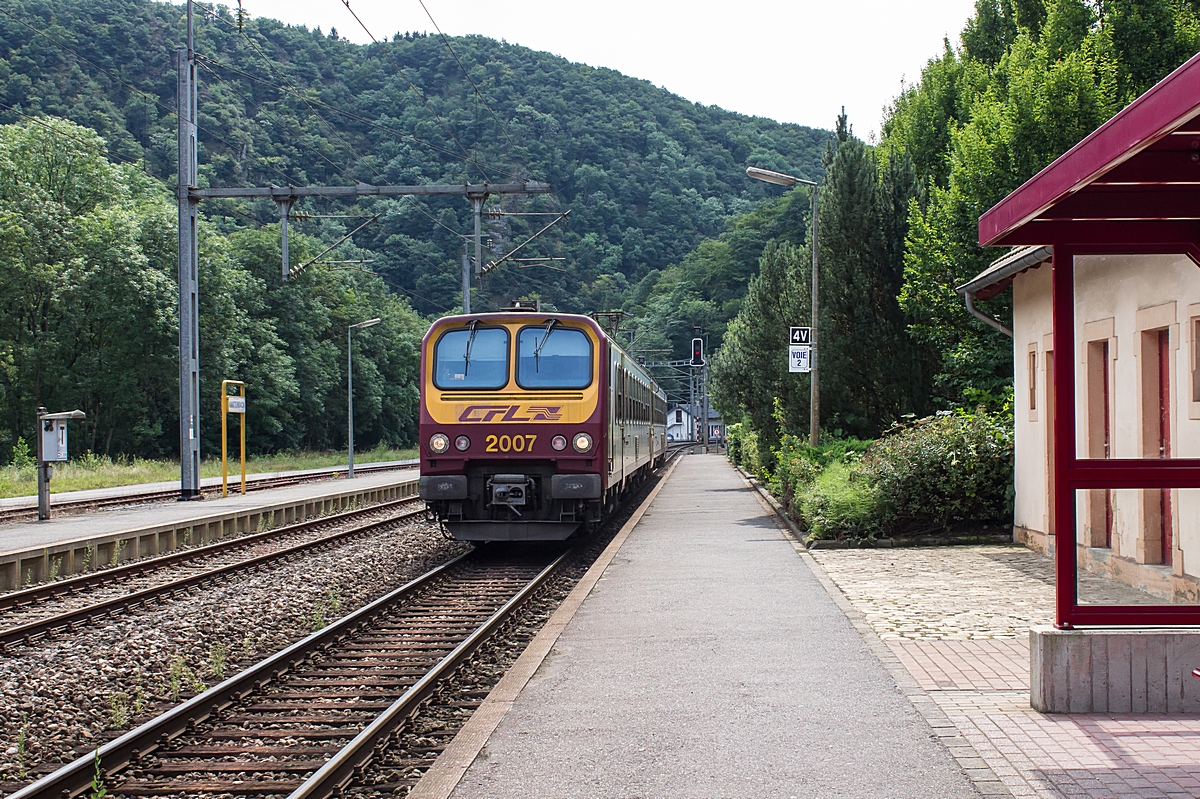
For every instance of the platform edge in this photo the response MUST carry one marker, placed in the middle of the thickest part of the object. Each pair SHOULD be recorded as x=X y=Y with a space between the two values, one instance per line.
x=452 y=764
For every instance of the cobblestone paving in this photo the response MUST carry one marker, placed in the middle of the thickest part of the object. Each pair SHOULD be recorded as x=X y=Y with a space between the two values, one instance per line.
x=958 y=619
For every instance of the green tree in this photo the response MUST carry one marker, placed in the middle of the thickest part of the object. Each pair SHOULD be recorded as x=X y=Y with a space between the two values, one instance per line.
x=86 y=306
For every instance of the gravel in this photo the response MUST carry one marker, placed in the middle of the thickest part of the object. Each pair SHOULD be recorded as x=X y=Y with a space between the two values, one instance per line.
x=62 y=698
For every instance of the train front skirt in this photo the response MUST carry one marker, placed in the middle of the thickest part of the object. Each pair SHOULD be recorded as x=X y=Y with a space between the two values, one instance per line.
x=488 y=530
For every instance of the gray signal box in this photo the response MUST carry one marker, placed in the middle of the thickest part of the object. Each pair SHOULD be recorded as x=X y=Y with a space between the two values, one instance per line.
x=52 y=448
x=54 y=440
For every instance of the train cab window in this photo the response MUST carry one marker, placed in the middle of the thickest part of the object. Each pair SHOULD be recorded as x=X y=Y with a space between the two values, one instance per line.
x=471 y=358
x=552 y=356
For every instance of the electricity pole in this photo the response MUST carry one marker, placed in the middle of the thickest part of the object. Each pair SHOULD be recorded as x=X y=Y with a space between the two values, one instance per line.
x=814 y=393
x=189 y=324
x=189 y=197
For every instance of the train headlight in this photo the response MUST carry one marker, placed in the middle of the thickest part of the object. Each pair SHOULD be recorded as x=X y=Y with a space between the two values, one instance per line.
x=582 y=442
x=462 y=443
x=439 y=443
x=559 y=443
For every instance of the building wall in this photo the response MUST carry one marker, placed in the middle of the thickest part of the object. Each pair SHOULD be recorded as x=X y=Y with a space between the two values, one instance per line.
x=1122 y=302
x=1031 y=329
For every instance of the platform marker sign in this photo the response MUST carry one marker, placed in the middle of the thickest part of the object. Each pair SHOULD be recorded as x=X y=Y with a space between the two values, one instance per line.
x=237 y=404
x=799 y=349
x=799 y=358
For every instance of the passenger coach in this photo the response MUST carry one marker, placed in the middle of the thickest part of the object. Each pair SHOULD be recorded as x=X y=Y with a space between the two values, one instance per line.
x=532 y=424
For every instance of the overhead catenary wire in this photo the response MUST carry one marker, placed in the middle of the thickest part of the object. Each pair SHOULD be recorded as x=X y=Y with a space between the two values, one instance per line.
x=154 y=98
x=258 y=108
x=419 y=93
x=360 y=118
x=466 y=72
x=213 y=14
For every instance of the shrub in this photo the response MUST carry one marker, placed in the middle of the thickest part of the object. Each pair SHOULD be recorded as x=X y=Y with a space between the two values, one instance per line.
x=743 y=447
x=942 y=471
x=841 y=503
x=796 y=469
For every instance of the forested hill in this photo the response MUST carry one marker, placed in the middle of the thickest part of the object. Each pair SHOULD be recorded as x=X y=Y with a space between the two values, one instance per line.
x=646 y=174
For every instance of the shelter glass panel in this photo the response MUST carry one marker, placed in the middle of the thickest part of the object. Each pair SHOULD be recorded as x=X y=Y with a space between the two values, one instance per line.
x=1133 y=367
x=1153 y=551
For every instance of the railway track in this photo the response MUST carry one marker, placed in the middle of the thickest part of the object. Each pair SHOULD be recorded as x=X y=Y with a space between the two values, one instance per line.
x=28 y=616
x=148 y=497
x=305 y=721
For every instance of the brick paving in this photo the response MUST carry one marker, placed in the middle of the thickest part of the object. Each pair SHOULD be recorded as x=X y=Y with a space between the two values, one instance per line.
x=957 y=619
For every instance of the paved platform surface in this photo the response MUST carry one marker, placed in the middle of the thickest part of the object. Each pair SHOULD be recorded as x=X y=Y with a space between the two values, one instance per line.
x=21 y=535
x=116 y=492
x=710 y=661
x=957 y=619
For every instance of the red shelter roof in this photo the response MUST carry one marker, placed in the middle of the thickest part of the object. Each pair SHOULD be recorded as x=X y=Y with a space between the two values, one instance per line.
x=1133 y=181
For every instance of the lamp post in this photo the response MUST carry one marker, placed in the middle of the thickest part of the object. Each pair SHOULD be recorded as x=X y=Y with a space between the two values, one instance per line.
x=814 y=401
x=350 y=390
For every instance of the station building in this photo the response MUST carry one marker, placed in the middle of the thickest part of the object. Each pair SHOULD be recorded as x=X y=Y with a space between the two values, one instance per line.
x=683 y=423
x=1104 y=269
x=1137 y=326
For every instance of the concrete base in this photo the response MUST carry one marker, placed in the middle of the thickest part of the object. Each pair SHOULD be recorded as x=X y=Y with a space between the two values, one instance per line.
x=1114 y=671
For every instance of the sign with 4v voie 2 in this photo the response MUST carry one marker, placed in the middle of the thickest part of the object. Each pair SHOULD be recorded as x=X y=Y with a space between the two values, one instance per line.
x=800 y=349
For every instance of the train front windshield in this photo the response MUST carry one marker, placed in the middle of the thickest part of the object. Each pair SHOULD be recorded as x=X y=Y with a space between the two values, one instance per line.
x=472 y=358
x=553 y=357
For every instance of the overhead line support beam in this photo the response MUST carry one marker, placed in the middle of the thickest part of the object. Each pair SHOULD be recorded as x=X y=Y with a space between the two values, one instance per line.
x=281 y=193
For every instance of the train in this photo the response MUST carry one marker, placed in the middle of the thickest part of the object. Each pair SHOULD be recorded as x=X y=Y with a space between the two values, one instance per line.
x=533 y=425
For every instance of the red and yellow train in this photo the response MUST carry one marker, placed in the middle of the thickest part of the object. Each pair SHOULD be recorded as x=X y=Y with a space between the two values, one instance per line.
x=532 y=425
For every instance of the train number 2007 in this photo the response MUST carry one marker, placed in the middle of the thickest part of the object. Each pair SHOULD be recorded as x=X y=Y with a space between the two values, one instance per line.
x=509 y=443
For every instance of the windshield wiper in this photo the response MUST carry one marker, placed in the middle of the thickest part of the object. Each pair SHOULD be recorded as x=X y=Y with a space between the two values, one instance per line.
x=537 y=351
x=470 y=343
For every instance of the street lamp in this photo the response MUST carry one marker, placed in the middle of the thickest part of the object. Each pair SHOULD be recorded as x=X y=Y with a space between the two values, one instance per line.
x=350 y=389
x=780 y=179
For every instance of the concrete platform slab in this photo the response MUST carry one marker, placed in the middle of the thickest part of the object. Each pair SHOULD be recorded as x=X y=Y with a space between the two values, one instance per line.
x=30 y=550
x=709 y=661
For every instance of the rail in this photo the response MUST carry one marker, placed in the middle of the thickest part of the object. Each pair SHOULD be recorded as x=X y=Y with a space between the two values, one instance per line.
x=437 y=611
x=70 y=619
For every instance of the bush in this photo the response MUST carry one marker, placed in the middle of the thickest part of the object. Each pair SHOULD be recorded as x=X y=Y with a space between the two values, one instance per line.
x=842 y=503
x=742 y=443
x=943 y=471
x=795 y=470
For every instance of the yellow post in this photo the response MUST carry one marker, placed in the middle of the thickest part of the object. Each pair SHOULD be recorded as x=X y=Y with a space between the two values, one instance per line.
x=237 y=406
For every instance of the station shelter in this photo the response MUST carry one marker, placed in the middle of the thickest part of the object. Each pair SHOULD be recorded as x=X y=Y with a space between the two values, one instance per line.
x=1105 y=274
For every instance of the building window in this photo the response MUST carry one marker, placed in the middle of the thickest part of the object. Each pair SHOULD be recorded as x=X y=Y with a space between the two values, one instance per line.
x=678 y=416
x=1033 y=380
x=1099 y=433
x=1196 y=359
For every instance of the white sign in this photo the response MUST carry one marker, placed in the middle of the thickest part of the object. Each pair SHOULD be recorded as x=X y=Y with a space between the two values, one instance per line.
x=237 y=404
x=799 y=335
x=799 y=358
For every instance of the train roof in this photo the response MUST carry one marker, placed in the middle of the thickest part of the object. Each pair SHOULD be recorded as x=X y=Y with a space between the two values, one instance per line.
x=534 y=316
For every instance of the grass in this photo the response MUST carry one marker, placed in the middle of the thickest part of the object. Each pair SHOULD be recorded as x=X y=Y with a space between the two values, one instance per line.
x=841 y=505
x=92 y=471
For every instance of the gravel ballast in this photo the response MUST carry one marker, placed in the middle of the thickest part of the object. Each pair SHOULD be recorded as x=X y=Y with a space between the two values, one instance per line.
x=61 y=698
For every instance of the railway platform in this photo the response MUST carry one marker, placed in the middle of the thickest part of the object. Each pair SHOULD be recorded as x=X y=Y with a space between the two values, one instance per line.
x=65 y=544
x=707 y=660
x=120 y=492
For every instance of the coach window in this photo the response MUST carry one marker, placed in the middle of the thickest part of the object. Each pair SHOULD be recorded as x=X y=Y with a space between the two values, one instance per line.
x=471 y=358
x=552 y=356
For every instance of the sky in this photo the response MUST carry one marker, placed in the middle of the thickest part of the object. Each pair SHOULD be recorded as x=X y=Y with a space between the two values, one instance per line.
x=795 y=61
